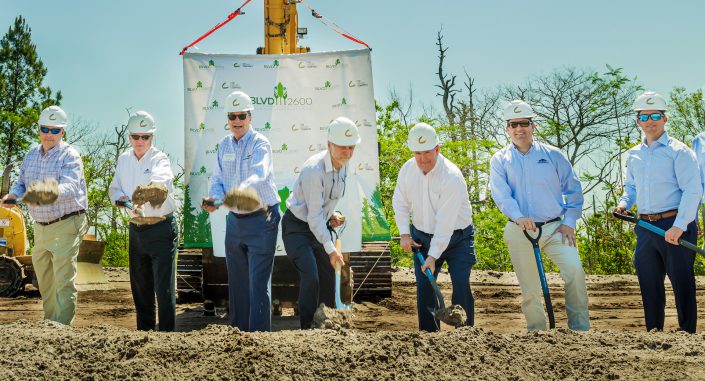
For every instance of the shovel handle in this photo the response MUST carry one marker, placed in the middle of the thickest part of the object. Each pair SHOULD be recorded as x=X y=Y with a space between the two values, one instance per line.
x=338 y=248
x=432 y=280
x=631 y=217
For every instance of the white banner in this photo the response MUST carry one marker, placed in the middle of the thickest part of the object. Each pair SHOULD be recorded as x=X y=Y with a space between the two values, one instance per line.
x=295 y=97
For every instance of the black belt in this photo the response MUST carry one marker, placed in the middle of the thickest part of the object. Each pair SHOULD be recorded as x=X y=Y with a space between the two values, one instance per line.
x=255 y=213
x=542 y=223
x=65 y=216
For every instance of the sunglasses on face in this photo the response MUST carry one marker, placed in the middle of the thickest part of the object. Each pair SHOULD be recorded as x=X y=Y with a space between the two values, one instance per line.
x=655 y=116
x=143 y=137
x=46 y=130
x=523 y=123
x=237 y=116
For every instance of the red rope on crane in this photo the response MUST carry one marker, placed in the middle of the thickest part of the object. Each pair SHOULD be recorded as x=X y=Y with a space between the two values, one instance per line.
x=333 y=26
x=218 y=26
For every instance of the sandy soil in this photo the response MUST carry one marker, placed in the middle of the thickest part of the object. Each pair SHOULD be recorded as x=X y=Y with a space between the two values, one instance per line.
x=382 y=345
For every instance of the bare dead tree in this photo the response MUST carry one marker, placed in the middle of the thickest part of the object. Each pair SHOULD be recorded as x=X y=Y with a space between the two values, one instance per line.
x=446 y=82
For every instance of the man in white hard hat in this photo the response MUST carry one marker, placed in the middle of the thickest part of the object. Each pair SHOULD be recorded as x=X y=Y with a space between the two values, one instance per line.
x=533 y=183
x=433 y=213
x=663 y=180
x=245 y=161
x=58 y=227
x=154 y=239
x=310 y=217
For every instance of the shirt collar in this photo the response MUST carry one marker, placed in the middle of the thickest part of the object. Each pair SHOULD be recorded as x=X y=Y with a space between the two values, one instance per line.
x=147 y=153
x=53 y=149
x=533 y=145
x=663 y=140
x=328 y=163
x=245 y=138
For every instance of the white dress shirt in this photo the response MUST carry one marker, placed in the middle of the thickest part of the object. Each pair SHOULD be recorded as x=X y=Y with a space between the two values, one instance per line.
x=437 y=203
x=153 y=167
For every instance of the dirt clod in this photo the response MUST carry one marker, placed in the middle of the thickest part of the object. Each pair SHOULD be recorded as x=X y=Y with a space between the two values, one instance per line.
x=454 y=315
x=42 y=192
x=330 y=318
x=153 y=193
x=242 y=199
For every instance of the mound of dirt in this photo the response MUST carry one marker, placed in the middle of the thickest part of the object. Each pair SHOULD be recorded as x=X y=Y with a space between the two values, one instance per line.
x=44 y=350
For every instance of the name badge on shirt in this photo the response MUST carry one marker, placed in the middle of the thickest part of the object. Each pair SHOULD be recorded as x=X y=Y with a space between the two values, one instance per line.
x=229 y=157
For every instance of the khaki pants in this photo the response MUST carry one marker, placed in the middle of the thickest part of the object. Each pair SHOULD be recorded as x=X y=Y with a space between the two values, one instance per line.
x=571 y=269
x=54 y=259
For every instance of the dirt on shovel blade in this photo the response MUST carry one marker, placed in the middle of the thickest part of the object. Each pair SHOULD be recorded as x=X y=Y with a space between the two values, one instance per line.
x=42 y=192
x=245 y=199
x=453 y=315
x=153 y=193
x=330 y=318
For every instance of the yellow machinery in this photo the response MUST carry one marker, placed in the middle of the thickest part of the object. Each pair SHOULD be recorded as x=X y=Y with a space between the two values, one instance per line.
x=281 y=32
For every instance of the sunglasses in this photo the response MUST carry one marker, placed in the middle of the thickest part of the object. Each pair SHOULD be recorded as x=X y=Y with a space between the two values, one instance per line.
x=523 y=123
x=237 y=116
x=143 y=137
x=54 y=131
x=655 y=116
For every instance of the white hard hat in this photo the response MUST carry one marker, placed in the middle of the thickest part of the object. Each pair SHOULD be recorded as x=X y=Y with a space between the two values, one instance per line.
x=238 y=101
x=650 y=101
x=141 y=123
x=422 y=137
x=53 y=116
x=518 y=109
x=343 y=132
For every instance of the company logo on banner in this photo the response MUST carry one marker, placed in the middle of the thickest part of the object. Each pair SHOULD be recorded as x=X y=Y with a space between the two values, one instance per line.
x=295 y=98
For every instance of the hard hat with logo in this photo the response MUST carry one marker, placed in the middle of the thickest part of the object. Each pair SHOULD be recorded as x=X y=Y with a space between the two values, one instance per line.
x=422 y=137
x=238 y=101
x=53 y=116
x=141 y=123
x=650 y=101
x=343 y=132
x=518 y=109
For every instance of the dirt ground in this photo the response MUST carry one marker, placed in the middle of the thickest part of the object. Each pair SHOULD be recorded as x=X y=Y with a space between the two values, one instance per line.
x=383 y=345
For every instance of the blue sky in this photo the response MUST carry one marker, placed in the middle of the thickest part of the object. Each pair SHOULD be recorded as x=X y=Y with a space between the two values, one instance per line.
x=106 y=56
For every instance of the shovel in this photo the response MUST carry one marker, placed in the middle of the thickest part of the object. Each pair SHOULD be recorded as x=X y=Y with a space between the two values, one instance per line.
x=455 y=315
x=339 y=305
x=542 y=274
x=129 y=205
x=630 y=217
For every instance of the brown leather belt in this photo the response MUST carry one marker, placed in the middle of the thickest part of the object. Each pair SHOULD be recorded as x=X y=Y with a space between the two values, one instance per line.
x=65 y=216
x=658 y=216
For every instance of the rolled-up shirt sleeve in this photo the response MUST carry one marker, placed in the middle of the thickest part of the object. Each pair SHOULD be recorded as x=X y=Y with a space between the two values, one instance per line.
x=501 y=192
x=691 y=186
x=314 y=191
x=629 y=195
x=447 y=216
x=217 y=191
x=572 y=190
x=401 y=204
x=70 y=177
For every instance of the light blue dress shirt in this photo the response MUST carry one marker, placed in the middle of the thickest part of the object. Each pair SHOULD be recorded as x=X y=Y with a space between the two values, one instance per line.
x=663 y=177
x=539 y=184
x=248 y=163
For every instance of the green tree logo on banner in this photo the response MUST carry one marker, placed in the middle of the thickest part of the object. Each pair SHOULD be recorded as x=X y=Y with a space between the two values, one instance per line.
x=374 y=224
x=280 y=92
x=197 y=226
